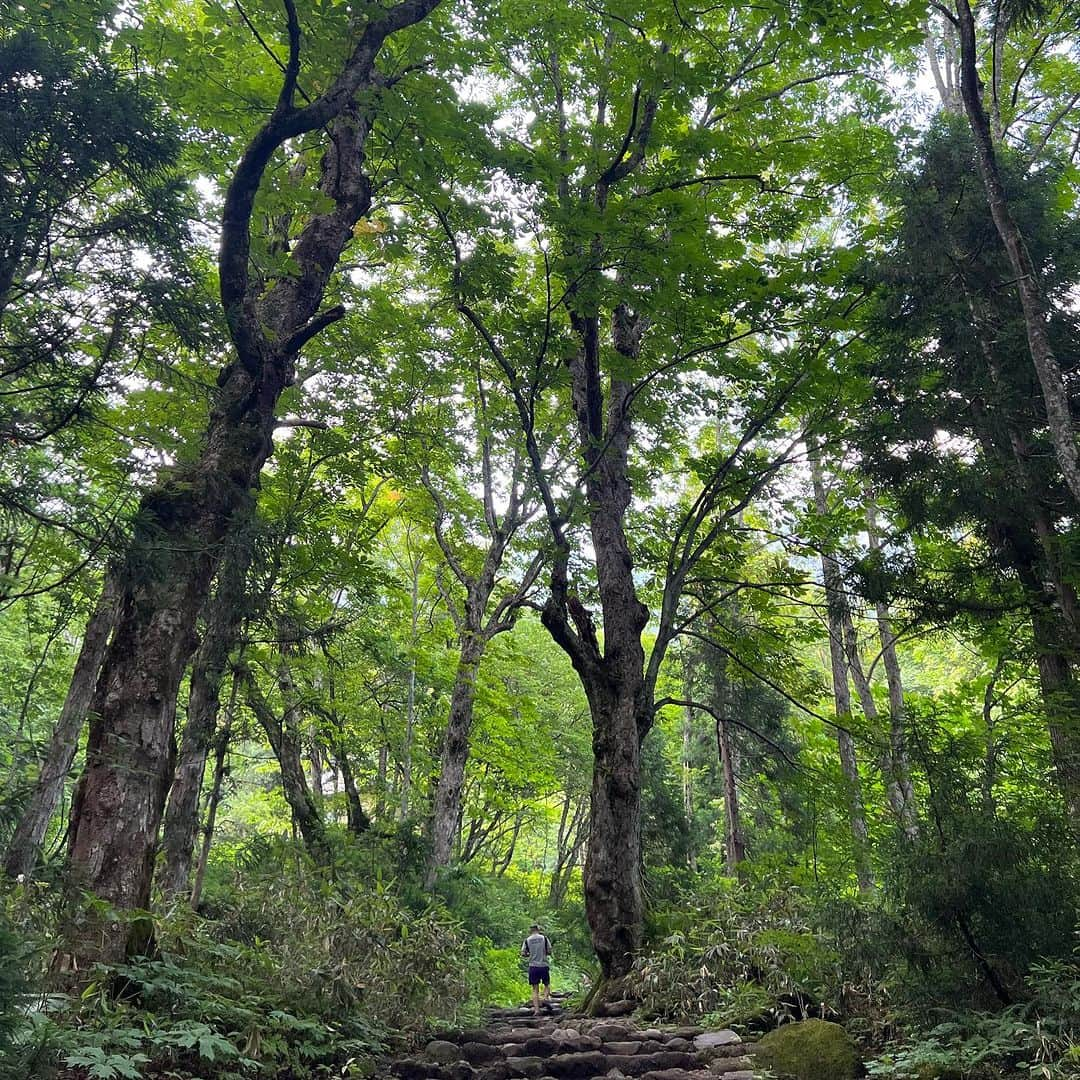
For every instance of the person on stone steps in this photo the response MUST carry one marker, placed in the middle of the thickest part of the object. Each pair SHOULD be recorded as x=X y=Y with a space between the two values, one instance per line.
x=538 y=949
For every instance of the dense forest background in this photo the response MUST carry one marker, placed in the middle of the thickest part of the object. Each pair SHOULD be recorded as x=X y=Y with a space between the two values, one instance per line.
x=467 y=463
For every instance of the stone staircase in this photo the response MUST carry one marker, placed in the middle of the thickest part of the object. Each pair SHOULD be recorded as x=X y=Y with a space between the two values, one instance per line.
x=559 y=1046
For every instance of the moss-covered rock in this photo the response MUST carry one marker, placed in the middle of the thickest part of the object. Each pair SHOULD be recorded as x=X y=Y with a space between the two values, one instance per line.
x=810 y=1050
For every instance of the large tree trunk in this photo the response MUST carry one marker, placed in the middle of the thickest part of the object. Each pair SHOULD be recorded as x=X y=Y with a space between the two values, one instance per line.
x=183 y=521
x=835 y=602
x=1026 y=275
x=204 y=698
x=613 y=889
x=613 y=675
x=25 y=845
x=455 y=754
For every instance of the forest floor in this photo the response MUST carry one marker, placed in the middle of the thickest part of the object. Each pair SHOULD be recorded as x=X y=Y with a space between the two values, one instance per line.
x=559 y=1045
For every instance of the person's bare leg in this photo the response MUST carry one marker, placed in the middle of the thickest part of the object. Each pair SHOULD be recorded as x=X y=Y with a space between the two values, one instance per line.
x=536 y=999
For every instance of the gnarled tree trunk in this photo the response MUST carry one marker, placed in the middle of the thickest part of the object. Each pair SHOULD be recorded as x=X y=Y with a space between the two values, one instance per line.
x=183 y=521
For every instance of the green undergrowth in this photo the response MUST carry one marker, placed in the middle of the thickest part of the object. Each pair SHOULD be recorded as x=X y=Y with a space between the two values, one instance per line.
x=293 y=974
x=1036 y=1038
x=731 y=958
x=287 y=970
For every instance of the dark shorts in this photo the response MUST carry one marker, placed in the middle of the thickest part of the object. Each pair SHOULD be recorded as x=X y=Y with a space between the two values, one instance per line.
x=539 y=973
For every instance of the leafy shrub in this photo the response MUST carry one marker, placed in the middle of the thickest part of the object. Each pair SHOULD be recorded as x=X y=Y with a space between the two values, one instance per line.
x=14 y=985
x=299 y=974
x=1038 y=1038
x=741 y=960
x=347 y=942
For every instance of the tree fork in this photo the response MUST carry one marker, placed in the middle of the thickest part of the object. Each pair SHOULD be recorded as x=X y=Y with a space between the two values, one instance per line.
x=183 y=521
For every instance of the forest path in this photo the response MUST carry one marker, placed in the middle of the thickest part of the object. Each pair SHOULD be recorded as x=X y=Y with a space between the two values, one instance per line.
x=561 y=1046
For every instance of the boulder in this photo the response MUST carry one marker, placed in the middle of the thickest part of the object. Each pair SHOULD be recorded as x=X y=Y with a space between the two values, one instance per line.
x=708 y=1039
x=639 y=1064
x=575 y=1066
x=689 y=1032
x=670 y=1074
x=726 y=1067
x=478 y=1053
x=611 y=1030
x=809 y=1050
x=526 y=1067
x=483 y=1035
x=410 y=1069
x=457 y=1070
x=442 y=1050
x=730 y=1050
x=541 y=1046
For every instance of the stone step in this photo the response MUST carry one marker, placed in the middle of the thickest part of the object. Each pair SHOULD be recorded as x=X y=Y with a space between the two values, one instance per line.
x=515 y=1045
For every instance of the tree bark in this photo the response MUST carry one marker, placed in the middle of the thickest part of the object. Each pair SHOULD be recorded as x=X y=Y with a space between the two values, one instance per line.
x=221 y=752
x=223 y=619
x=416 y=562
x=901 y=793
x=1055 y=395
x=455 y=754
x=358 y=821
x=834 y=599
x=24 y=847
x=688 y=776
x=613 y=677
x=734 y=843
x=476 y=626
x=284 y=737
x=183 y=520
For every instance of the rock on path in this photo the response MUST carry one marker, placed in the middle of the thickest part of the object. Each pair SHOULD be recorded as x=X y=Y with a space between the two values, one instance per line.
x=515 y=1045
